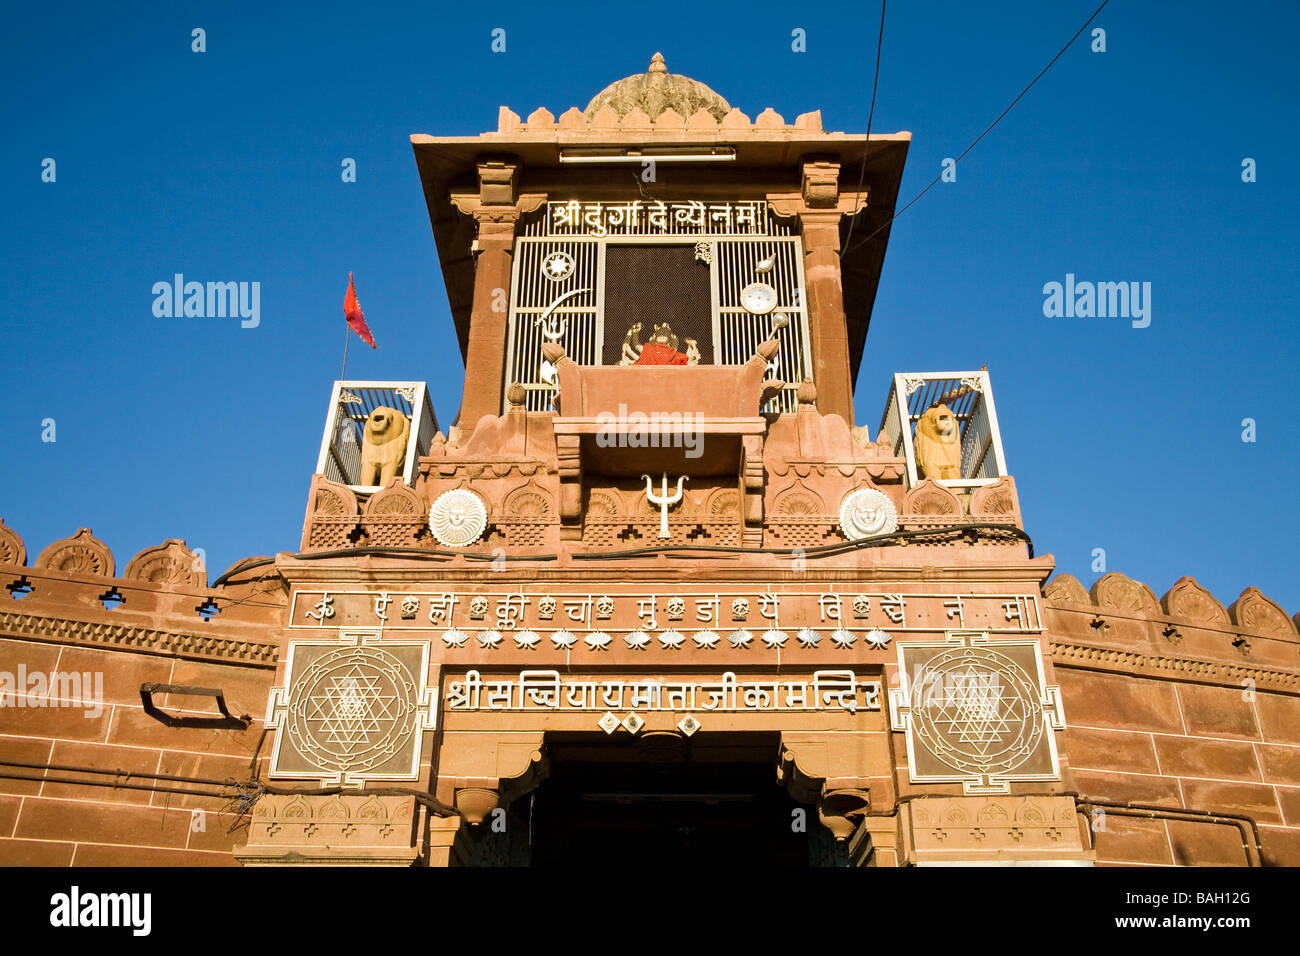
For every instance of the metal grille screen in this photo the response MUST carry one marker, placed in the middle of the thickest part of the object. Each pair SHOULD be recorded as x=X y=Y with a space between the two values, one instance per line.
x=652 y=286
x=635 y=273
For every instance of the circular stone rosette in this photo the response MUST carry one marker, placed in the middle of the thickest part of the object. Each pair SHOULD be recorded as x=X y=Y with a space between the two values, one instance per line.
x=352 y=709
x=866 y=513
x=457 y=518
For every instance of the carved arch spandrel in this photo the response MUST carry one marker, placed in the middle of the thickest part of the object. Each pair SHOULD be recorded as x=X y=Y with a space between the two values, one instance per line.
x=1119 y=592
x=82 y=553
x=605 y=503
x=12 y=548
x=998 y=500
x=529 y=502
x=1253 y=611
x=332 y=499
x=797 y=500
x=1188 y=600
x=396 y=499
x=723 y=504
x=170 y=564
x=931 y=499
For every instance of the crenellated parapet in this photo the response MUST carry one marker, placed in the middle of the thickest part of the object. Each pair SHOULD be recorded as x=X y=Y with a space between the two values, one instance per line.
x=1187 y=634
x=160 y=604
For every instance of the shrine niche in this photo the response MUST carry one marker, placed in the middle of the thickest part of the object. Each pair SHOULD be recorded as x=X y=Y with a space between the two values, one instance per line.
x=12 y=549
x=82 y=553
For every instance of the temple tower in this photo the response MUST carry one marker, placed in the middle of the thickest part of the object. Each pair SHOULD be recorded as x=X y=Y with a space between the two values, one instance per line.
x=655 y=588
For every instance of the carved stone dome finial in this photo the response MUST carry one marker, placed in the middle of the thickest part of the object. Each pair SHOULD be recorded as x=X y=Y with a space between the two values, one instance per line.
x=657 y=90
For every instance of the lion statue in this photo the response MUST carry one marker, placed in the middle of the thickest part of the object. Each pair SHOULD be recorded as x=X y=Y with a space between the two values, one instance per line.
x=938 y=444
x=383 y=446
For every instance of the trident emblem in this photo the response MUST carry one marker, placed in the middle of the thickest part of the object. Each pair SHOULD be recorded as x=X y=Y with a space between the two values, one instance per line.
x=553 y=326
x=663 y=500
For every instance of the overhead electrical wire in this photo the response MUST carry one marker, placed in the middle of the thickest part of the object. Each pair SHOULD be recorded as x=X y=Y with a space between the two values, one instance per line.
x=987 y=130
x=866 y=146
x=884 y=540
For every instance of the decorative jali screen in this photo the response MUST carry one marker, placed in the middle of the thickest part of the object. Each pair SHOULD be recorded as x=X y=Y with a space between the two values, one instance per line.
x=709 y=280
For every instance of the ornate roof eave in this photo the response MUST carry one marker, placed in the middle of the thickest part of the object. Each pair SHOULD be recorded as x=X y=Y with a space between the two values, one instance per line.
x=447 y=163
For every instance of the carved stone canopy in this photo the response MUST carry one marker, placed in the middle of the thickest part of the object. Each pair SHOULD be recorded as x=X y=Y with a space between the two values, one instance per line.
x=657 y=90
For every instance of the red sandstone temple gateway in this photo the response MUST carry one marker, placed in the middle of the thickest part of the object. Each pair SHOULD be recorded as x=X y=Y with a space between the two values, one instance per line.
x=655 y=589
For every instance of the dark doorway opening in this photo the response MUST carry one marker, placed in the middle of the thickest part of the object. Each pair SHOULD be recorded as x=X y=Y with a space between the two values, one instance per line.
x=661 y=799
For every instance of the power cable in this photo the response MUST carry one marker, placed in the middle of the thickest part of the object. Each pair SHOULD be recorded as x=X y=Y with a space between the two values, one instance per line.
x=866 y=146
x=988 y=129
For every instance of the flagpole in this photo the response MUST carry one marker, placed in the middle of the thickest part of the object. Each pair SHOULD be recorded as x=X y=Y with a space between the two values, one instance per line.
x=346 y=337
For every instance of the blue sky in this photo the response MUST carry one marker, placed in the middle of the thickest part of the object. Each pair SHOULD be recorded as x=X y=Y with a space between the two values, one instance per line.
x=1118 y=166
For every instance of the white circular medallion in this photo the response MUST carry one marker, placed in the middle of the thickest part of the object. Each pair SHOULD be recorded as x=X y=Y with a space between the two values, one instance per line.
x=759 y=298
x=557 y=266
x=867 y=512
x=457 y=518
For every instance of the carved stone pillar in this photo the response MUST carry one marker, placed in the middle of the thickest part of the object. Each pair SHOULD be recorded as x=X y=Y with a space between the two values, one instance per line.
x=496 y=207
x=826 y=320
x=442 y=838
x=751 y=490
x=485 y=356
x=820 y=204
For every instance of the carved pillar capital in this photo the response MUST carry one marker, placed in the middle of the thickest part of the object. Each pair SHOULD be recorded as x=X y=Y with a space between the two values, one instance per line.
x=568 y=449
x=821 y=183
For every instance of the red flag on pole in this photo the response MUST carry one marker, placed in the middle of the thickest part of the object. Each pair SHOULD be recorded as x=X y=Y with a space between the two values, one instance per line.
x=356 y=318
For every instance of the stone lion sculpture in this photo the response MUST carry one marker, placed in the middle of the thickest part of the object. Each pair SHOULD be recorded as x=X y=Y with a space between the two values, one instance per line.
x=383 y=446
x=938 y=444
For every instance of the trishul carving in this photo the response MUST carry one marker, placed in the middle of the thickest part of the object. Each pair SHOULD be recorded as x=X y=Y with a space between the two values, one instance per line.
x=664 y=501
x=552 y=325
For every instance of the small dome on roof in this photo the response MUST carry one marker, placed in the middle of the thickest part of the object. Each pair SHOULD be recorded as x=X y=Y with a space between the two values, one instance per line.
x=657 y=90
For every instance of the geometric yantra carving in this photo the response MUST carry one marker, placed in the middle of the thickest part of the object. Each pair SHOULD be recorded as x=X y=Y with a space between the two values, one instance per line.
x=976 y=712
x=352 y=711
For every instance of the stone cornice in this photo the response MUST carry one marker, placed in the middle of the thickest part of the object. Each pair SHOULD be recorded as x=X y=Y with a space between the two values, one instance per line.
x=1168 y=667
x=138 y=639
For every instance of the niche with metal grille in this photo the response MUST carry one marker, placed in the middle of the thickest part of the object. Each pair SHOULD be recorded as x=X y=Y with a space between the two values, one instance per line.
x=599 y=288
x=969 y=395
x=350 y=405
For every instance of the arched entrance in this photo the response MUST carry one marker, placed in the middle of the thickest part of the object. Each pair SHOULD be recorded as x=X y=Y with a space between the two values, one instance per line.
x=658 y=798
